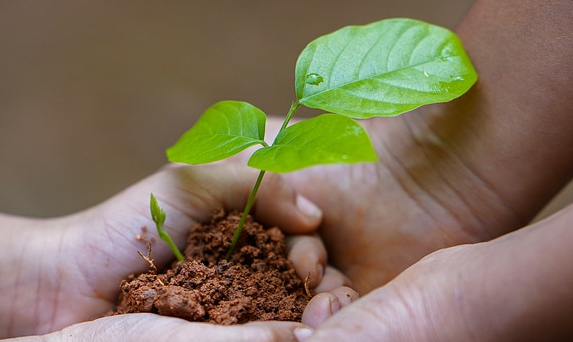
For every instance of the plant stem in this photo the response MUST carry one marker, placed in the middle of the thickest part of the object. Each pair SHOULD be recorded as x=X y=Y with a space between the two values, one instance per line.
x=165 y=237
x=294 y=106
x=253 y=195
x=158 y=216
x=250 y=203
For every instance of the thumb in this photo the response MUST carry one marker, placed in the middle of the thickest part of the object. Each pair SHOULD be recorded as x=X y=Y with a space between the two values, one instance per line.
x=382 y=315
x=278 y=204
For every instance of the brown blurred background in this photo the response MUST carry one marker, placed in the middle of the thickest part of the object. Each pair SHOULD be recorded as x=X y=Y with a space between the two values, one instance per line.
x=92 y=92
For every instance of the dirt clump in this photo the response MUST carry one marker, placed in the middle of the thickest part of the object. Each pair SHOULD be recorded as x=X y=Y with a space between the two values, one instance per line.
x=258 y=283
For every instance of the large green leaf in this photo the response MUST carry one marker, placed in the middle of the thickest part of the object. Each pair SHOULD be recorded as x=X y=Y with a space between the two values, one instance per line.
x=224 y=129
x=326 y=139
x=383 y=69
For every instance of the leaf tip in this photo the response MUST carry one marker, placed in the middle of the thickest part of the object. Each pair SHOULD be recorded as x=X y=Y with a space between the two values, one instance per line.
x=157 y=214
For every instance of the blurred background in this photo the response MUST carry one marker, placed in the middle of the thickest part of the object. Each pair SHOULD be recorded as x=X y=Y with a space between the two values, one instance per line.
x=92 y=92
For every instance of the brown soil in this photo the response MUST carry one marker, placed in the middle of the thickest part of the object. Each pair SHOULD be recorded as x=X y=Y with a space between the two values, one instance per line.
x=258 y=283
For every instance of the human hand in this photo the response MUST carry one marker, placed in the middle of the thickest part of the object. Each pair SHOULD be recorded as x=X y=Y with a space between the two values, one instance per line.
x=380 y=218
x=432 y=300
x=68 y=270
x=514 y=288
x=151 y=327
x=465 y=171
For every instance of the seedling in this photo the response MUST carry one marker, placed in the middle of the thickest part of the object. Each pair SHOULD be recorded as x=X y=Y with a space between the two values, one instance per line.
x=382 y=69
x=158 y=216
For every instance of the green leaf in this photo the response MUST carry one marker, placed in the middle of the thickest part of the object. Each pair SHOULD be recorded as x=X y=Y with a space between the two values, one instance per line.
x=224 y=129
x=326 y=139
x=157 y=214
x=383 y=69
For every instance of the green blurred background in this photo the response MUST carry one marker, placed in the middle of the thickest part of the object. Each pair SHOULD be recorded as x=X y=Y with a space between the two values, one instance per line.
x=92 y=92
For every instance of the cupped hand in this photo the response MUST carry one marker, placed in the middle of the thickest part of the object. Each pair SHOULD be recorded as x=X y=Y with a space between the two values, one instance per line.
x=464 y=171
x=68 y=270
x=421 y=196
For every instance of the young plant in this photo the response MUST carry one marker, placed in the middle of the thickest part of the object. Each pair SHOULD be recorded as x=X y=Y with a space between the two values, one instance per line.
x=381 y=69
x=158 y=216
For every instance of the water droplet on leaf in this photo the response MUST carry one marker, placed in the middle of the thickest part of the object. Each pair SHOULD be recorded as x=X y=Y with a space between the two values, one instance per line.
x=314 y=79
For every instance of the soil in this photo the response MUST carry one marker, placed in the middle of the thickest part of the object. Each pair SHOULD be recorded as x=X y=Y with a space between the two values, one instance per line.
x=257 y=283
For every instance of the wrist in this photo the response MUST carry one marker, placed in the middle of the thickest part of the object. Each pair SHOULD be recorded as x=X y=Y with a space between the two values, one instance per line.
x=40 y=259
x=26 y=247
x=519 y=111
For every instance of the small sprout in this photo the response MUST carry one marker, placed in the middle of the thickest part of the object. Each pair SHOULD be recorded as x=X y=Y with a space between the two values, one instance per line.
x=158 y=216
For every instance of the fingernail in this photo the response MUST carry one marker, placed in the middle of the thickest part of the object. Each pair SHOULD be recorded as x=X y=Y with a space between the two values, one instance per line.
x=334 y=304
x=302 y=334
x=307 y=207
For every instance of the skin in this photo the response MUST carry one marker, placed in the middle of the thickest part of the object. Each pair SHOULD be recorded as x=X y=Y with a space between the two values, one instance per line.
x=465 y=171
x=458 y=174
x=514 y=288
x=448 y=176
x=63 y=271
x=149 y=327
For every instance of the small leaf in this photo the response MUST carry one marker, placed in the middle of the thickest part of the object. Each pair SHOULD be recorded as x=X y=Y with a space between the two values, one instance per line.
x=326 y=139
x=224 y=129
x=157 y=214
x=383 y=69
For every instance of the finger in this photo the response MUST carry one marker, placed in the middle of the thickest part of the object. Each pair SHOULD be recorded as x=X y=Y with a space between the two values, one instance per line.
x=278 y=204
x=308 y=255
x=332 y=279
x=150 y=327
x=380 y=315
x=322 y=306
